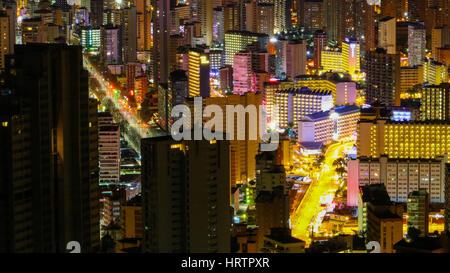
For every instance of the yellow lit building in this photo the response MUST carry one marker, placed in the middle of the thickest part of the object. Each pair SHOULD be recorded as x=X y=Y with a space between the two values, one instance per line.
x=198 y=76
x=343 y=90
x=351 y=63
x=294 y=104
x=236 y=41
x=409 y=77
x=331 y=61
x=434 y=72
x=428 y=139
x=435 y=102
x=346 y=60
x=268 y=99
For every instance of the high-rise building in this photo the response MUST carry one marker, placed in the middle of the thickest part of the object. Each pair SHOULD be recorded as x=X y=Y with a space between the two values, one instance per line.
x=8 y=35
x=242 y=152
x=128 y=26
x=295 y=58
x=331 y=61
x=51 y=170
x=313 y=15
x=387 y=34
x=334 y=22
x=109 y=150
x=336 y=124
x=272 y=200
x=199 y=68
x=410 y=77
x=435 y=102
x=440 y=38
x=418 y=210
x=397 y=139
x=295 y=104
x=218 y=25
x=186 y=200
x=320 y=42
x=383 y=77
x=96 y=16
x=160 y=50
x=236 y=41
x=447 y=198
x=143 y=27
x=110 y=46
x=401 y=176
x=351 y=56
x=260 y=17
x=205 y=14
x=131 y=218
x=434 y=73
x=379 y=218
x=90 y=38
x=231 y=18
x=416 y=44
x=268 y=99
x=242 y=73
x=280 y=10
x=342 y=88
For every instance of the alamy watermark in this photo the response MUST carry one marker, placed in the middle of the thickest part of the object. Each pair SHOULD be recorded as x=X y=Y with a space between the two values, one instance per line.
x=182 y=127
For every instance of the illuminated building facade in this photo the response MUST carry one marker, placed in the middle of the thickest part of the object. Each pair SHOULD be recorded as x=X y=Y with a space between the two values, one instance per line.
x=260 y=17
x=440 y=38
x=410 y=77
x=313 y=15
x=295 y=58
x=242 y=73
x=416 y=44
x=434 y=72
x=387 y=34
x=109 y=153
x=236 y=41
x=401 y=176
x=199 y=72
x=346 y=60
x=268 y=100
x=379 y=218
x=383 y=78
x=218 y=25
x=351 y=56
x=418 y=211
x=90 y=38
x=110 y=46
x=140 y=88
x=8 y=35
x=435 y=102
x=295 y=104
x=242 y=152
x=428 y=139
x=331 y=60
x=343 y=89
x=447 y=198
x=336 y=124
x=320 y=42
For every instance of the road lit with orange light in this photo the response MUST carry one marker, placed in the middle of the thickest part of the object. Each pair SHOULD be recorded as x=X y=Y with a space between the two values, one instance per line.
x=310 y=212
x=124 y=114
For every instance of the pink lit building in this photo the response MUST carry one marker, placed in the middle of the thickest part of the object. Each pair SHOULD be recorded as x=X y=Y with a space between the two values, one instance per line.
x=242 y=73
